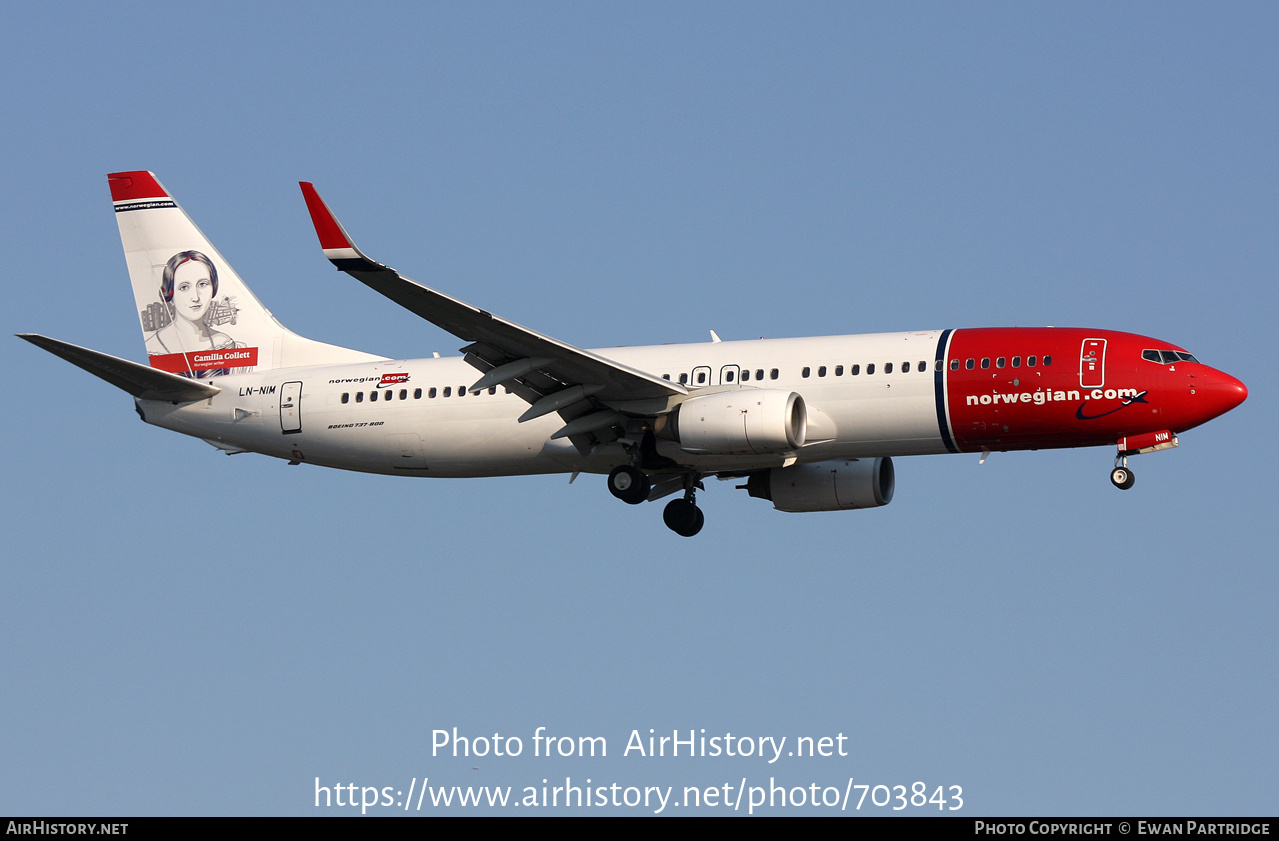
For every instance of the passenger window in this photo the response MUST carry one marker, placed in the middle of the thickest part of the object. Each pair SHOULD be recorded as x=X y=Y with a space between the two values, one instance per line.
x=701 y=378
x=1048 y=360
x=954 y=364
x=985 y=362
x=1016 y=361
x=905 y=367
x=804 y=373
x=666 y=376
x=359 y=397
x=839 y=370
x=969 y=364
x=854 y=370
x=999 y=363
x=431 y=394
x=404 y=394
x=759 y=374
x=728 y=376
x=772 y=375
x=461 y=391
x=923 y=366
x=372 y=396
x=448 y=391
x=417 y=394
x=821 y=372
x=870 y=369
x=746 y=375
x=492 y=389
x=888 y=368
x=1030 y=361
x=346 y=396
x=683 y=379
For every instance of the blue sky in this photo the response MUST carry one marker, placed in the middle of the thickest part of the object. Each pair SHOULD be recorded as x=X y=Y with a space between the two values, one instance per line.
x=187 y=633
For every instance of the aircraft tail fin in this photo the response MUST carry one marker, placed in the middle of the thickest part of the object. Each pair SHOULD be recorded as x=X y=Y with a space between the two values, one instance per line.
x=198 y=317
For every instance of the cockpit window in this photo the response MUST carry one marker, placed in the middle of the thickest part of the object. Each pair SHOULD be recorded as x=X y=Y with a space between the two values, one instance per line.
x=1167 y=357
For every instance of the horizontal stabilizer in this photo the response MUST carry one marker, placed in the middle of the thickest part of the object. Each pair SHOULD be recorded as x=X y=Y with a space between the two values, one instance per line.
x=139 y=380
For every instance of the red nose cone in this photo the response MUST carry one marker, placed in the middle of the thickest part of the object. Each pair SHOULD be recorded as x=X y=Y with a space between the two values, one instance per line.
x=1240 y=391
x=1222 y=392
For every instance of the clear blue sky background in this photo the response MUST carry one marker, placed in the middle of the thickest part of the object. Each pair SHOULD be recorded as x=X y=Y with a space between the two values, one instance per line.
x=185 y=632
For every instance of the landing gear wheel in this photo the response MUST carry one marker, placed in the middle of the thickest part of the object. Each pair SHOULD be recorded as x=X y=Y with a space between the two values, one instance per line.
x=1122 y=478
x=683 y=517
x=629 y=484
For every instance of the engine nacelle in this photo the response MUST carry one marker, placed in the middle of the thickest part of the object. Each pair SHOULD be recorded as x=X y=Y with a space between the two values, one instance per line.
x=840 y=485
x=750 y=421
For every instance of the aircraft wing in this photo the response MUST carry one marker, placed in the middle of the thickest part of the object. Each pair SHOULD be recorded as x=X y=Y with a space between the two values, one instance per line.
x=141 y=381
x=550 y=374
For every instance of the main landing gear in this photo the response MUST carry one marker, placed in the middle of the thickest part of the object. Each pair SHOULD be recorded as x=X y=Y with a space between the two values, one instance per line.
x=682 y=516
x=629 y=484
x=1121 y=477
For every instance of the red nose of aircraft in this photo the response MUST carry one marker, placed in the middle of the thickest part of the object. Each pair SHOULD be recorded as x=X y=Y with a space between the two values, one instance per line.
x=1218 y=392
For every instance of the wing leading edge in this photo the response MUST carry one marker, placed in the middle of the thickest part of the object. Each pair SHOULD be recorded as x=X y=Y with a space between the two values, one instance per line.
x=551 y=375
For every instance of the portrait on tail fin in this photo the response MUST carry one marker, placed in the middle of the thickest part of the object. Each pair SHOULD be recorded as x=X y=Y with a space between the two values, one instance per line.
x=182 y=327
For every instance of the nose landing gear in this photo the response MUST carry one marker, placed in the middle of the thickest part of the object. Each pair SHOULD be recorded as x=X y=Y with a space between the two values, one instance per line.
x=1121 y=477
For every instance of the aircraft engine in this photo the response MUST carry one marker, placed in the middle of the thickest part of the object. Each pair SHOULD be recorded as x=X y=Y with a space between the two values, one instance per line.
x=750 y=421
x=840 y=485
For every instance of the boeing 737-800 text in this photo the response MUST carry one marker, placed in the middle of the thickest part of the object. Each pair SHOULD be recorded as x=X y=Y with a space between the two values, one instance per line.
x=811 y=424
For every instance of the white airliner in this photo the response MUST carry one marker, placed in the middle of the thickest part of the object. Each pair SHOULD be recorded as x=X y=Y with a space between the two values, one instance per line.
x=811 y=424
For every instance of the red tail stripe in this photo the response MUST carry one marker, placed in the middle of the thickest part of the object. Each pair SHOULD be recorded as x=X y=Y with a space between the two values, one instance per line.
x=127 y=186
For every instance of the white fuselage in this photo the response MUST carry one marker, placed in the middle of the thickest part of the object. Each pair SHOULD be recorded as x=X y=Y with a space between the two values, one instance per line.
x=415 y=417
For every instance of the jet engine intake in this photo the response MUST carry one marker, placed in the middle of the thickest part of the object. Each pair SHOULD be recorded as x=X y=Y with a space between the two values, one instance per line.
x=750 y=421
x=840 y=485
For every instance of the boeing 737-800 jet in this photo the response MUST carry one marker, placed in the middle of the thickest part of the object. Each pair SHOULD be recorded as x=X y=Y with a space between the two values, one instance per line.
x=811 y=424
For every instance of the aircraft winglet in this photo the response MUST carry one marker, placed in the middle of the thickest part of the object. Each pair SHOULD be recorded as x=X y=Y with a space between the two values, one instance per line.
x=336 y=242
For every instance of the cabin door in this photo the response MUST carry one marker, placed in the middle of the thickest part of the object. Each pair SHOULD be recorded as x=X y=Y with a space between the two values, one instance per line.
x=1092 y=363
x=291 y=408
